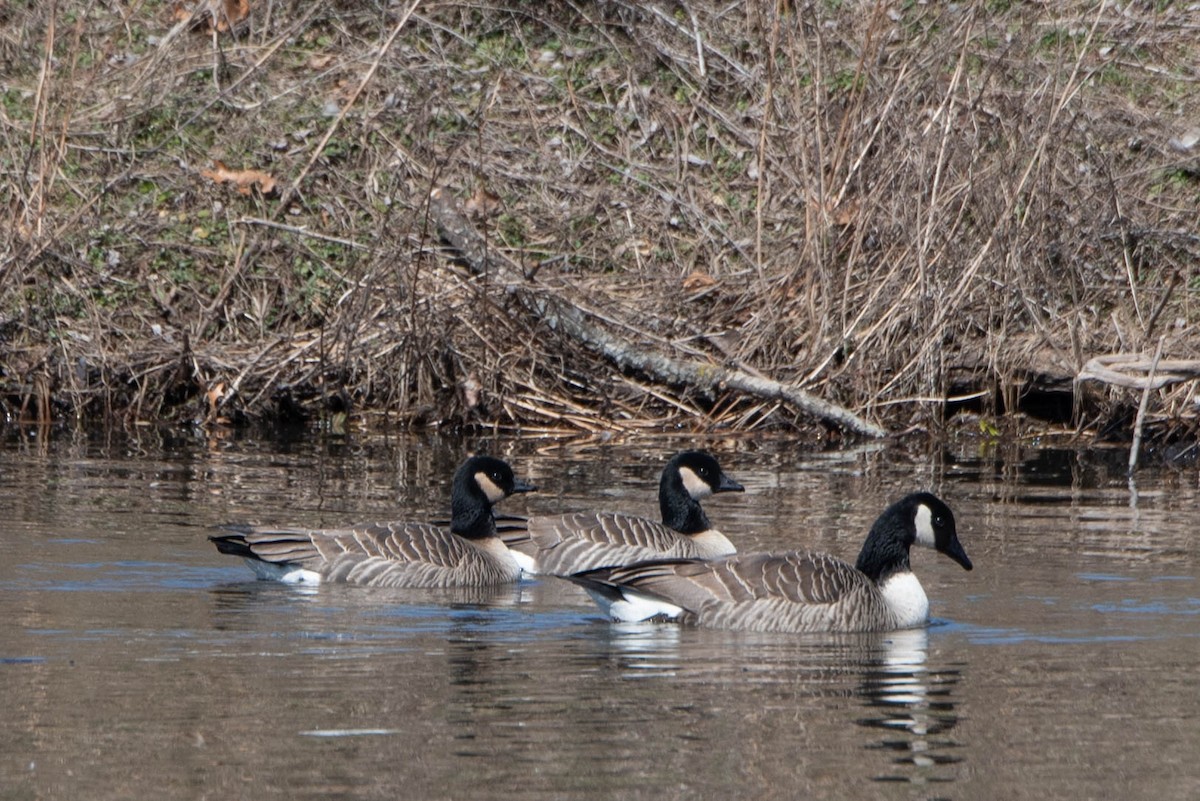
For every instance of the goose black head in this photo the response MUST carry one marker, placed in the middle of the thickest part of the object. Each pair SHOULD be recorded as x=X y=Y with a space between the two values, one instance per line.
x=479 y=483
x=917 y=519
x=933 y=526
x=688 y=477
x=700 y=475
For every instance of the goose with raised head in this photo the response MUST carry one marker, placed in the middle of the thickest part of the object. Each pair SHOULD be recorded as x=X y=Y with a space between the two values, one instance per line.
x=395 y=554
x=791 y=592
x=560 y=545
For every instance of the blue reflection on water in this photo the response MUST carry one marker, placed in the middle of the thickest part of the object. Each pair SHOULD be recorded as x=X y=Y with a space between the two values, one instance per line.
x=1184 y=606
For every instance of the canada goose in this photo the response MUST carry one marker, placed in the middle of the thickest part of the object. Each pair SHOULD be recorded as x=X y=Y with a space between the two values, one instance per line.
x=565 y=544
x=398 y=554
x=791 y=592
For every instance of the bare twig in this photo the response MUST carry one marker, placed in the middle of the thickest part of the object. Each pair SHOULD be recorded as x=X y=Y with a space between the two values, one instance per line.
x=1136 y=446
x=302 y=231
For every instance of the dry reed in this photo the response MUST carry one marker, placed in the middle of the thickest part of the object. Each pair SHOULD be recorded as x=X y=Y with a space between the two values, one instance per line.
x=884 y=205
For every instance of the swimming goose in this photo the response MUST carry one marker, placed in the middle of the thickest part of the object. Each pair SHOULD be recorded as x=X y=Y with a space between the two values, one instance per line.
x=791 y=592
x=565 y=544
x=469 y=554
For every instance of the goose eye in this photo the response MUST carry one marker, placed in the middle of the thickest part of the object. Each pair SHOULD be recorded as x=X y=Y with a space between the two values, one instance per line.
x=939 y=521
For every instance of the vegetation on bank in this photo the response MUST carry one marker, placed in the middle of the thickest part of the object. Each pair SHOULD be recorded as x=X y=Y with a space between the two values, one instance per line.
x=903 y=209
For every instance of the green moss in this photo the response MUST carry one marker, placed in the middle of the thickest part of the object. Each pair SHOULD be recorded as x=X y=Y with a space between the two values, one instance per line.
x=47 y=304
x=18 y=103
x=512 y=230
x=315 y=289
x=1113 y=75
x=157 y=126
x=1175 y=181
x=846 y=81
x=502 y=50
x=1061 y=38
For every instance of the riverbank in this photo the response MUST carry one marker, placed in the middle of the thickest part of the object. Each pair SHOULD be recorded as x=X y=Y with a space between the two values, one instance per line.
x=899 y=212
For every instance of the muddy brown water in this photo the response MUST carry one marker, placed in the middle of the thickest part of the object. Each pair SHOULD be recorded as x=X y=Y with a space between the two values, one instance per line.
x=137 y=662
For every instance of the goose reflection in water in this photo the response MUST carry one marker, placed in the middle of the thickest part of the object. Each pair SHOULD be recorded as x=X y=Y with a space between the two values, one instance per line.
x=915 y=706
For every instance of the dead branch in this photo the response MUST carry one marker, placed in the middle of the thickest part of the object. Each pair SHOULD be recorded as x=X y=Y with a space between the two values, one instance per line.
x=562 y=315
x=1135 y=371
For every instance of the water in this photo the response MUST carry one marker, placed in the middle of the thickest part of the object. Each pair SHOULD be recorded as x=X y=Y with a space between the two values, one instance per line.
x=137 y=662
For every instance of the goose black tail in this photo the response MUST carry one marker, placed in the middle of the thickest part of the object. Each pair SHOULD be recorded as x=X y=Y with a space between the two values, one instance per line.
x=233 y=543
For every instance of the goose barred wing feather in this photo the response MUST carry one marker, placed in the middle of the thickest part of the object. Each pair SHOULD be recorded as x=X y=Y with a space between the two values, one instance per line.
x=573 y=543
x=793 y=592
x=800 y=578
x=380 y=554
x=805 y=578
x=613 y=528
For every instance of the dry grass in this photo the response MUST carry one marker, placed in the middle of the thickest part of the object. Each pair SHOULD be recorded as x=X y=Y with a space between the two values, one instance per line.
x=882 y=203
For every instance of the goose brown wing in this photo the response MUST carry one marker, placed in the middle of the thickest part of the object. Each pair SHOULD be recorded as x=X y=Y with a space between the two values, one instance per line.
x=798 y=578
x=611 y=528
x=311 y=548
x=572 y=543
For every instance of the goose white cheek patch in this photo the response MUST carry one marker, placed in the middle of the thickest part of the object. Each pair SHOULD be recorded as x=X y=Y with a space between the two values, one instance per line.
x=695 y=486
x=924 y=521
x=493 y=493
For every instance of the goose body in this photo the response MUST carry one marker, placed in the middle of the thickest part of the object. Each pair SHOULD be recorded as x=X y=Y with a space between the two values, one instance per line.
x=564 y=544
x=795 y=591
x=395 y=554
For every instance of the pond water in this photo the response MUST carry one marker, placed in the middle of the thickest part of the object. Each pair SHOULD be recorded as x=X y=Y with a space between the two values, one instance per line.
x=137 y=662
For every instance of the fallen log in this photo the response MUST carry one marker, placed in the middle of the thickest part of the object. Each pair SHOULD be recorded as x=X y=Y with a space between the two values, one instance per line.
x=562 y=315
x=1135 y=371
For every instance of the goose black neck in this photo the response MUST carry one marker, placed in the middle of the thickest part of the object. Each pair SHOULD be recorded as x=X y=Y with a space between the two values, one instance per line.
x=680 y=511
x=470 y=511
x=886 y=550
